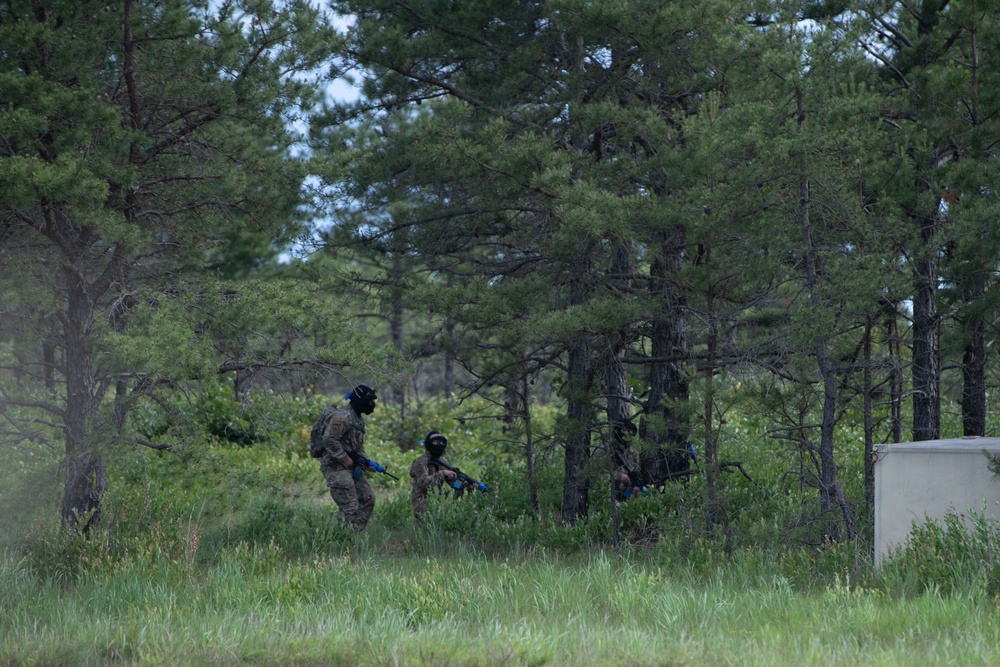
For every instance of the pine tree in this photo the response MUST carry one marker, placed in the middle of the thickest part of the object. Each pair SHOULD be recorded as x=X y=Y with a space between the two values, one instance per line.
x=939 y=70
x=137 y=138
x=537 y=164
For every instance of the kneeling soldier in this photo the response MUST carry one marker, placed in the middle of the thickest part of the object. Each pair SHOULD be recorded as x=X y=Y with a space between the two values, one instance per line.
x=430 y=469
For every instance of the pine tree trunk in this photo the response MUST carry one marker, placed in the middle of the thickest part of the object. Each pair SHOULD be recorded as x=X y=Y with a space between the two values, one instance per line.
x=529 y=445
x=579 y=388
x=86 y=478
x=616 y=372
x=667 y=380
x=713 y=478
x=896 y=380
x=926 y=345
x=974 y=378
x=578 y=411
x=830 y=494
x=866 y=398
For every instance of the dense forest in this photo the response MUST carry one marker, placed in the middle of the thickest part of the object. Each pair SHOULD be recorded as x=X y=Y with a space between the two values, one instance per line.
x=635 y=209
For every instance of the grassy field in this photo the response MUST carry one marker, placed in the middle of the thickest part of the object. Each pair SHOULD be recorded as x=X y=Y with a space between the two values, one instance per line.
x=228 y=555
x=458 y=607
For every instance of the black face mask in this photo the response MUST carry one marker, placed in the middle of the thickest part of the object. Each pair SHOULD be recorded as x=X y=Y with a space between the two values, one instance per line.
x=363 y=407
x=436 y=450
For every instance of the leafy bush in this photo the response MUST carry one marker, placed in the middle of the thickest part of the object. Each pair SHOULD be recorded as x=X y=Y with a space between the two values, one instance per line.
x=213 y=494
x=300 y=530
x=259 y=417
x=957 y=553
x=137 y=527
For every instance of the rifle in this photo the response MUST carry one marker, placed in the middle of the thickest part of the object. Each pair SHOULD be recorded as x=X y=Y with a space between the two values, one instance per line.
x=632 y=477
x=462 y=478
x=364 y=462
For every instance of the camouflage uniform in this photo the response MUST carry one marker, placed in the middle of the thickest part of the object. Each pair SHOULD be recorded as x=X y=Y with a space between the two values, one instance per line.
x=601 y=463
x=426 y=475
x=353 y=495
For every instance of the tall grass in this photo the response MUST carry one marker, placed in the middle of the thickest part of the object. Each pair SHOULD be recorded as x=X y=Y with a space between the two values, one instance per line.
x=254 y=606
x=230 y=555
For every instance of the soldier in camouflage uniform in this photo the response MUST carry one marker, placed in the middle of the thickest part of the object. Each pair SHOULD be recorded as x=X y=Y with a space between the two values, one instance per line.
x=345 y=432
x=426 y=474
x=623 y=462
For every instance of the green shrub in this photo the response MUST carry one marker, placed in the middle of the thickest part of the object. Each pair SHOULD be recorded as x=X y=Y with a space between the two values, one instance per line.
x=300 y=530
x=957 y=553
x=259 y=417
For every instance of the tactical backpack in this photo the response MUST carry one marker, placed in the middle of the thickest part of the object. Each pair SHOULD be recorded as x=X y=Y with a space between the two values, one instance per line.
x=316 y=436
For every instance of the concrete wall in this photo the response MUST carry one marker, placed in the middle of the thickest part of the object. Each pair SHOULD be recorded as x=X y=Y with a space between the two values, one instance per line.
x=916 y=480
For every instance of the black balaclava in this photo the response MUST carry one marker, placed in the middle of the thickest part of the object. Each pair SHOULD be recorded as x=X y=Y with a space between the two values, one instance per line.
x=362 y=399
x=435 y=443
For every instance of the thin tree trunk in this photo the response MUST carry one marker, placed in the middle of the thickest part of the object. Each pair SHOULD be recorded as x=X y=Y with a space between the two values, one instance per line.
x=511 y=406
x=616 y=385
x=896 y=384
x=579 y=409
x=866 y=397
x=616 y=372
x=711 y=458
x=616 y=382
x=578 y=437
x=974 y=355
x=529 y=445
x=830 y=493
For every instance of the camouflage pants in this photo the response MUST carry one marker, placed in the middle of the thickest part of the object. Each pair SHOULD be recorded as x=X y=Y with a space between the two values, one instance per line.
x=419 y=503
x=418 y=500
x=354 y=496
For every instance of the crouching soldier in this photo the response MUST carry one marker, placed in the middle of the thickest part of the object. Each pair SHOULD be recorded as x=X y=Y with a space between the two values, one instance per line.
x=622 y=460
x=431 y=470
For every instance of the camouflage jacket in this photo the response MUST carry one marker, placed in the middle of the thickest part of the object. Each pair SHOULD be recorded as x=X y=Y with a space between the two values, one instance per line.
x=602 y=464
x=425 y=474
x=344 y=432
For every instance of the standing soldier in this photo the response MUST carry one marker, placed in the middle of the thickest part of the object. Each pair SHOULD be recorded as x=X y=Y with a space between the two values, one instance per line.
x=342 y=440
x=427 y=472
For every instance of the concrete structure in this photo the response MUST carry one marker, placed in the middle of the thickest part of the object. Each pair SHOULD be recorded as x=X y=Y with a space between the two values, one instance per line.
x=919 y=480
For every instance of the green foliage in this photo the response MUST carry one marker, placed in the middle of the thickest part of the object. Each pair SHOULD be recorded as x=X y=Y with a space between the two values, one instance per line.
x=233 y=532
x=299 y=530
x=258 y=417
x=993 y=463
x=451 y=605
x=139 y=530
x=958 y=554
